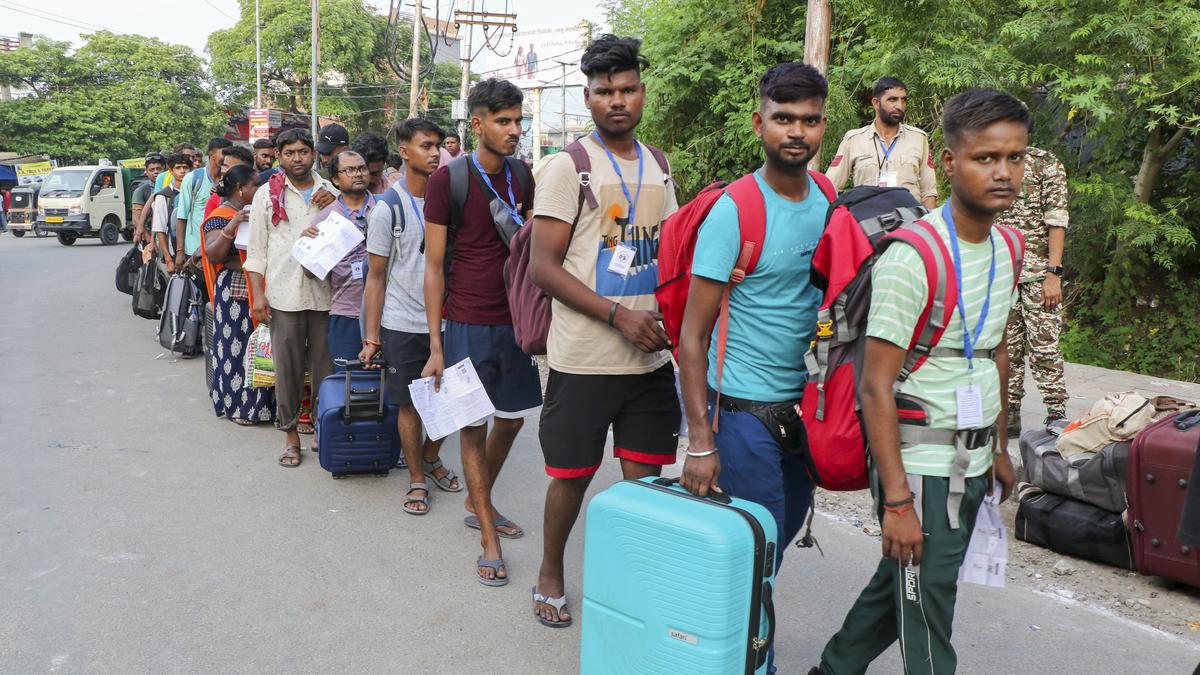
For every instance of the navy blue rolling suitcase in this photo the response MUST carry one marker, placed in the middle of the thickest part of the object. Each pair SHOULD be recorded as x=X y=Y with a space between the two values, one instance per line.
x=676 y=584
x=356 y=428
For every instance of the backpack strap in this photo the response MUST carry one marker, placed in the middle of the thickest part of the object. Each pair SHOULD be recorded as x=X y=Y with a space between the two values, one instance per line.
x=825 y=185
x=524 y=177
x=943 y=290
x=583 y=167
x=1016 y=249
x=661 y=159
x=752 y=223
x=396 y=212
x=460 y=185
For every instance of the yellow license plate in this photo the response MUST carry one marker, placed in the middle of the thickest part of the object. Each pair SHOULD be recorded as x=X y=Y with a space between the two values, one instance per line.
x=54 y=219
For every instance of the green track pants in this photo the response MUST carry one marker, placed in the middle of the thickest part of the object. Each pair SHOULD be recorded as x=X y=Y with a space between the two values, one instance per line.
x=914 y=605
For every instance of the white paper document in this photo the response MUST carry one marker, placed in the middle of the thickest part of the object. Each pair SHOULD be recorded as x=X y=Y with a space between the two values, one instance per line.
x=987 y=554
x=461 y=400
x=242 y=240
x=336 y=236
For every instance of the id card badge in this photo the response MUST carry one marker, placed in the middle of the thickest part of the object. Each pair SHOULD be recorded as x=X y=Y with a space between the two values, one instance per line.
x=356 y=270
x=888 y=179
x=622 y=259
x=970 y=406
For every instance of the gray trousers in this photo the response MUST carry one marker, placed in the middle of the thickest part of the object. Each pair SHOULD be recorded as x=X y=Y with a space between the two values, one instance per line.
x=300 y=344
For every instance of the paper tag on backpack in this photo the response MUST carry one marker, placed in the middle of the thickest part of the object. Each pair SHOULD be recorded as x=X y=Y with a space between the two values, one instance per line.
x=970 y=406
x=888 y=179
x=622 y=259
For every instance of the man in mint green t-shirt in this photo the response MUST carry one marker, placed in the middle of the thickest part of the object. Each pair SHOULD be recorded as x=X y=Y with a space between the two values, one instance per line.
x=931 y=490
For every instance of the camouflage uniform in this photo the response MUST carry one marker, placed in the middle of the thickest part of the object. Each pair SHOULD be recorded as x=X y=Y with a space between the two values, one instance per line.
x=1033 y=330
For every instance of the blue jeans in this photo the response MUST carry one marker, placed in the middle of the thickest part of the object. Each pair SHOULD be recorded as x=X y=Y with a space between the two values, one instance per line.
x=754 y=467
x=345 y=339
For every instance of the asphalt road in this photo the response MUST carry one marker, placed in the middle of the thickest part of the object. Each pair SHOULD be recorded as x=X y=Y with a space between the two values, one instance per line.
x=140 y=534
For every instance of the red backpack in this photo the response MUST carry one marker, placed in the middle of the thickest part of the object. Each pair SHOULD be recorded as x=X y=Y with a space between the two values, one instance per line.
x=677 y=246
x=861 y=224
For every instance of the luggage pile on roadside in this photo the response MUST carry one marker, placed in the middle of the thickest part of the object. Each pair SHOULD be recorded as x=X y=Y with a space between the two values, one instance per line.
x=1110 y=486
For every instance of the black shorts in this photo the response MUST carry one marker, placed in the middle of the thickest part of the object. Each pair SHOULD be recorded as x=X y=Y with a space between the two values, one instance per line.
x=643 y=411
x=406 y=355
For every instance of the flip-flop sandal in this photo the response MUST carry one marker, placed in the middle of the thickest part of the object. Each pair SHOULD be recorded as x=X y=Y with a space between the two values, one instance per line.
x=423 y=499
x=472 y=521
x=444 y=483
x=290 y=452
x=495 y=565
x=556 y=603
x=305 y=428
x=243 y=422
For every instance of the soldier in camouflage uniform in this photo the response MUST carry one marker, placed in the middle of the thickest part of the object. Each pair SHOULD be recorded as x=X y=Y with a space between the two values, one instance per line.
x=1040 y=213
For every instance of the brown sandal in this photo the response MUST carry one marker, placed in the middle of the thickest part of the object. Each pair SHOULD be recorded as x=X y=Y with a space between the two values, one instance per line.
x=290 y=458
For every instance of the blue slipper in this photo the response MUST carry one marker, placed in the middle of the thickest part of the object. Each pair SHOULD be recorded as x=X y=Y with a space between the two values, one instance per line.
x=495 y=565
x=472 y=521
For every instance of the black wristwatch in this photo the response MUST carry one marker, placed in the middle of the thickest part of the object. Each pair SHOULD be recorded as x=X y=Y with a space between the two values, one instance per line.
x=1056 y=270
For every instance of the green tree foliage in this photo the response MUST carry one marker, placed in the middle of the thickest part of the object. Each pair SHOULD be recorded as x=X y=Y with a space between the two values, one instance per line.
x=350 y=51
x=1114 y=86
x=117 y=96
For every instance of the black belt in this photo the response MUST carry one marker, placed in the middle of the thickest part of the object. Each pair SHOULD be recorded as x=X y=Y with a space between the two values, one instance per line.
x=738 y=405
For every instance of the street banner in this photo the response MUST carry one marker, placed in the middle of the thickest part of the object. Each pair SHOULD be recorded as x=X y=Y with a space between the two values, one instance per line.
x=33 y=169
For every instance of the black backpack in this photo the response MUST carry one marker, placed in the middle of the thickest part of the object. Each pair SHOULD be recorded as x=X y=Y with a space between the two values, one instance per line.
x=462 y=169
x=127 y=270
x=148 y=290
x=181 y=325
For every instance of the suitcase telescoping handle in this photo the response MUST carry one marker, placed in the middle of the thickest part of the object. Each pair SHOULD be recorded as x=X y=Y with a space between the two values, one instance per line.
x=1187 y=420
x=359 y=365
x=717 y=497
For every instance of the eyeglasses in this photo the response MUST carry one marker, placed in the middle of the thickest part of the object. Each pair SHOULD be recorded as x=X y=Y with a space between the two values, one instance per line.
x=354 y=171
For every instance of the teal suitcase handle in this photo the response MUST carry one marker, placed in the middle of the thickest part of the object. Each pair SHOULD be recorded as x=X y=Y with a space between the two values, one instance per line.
x=717 y=497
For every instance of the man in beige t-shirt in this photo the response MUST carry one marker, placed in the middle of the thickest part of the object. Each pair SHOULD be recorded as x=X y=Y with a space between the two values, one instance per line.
x=887 y=152
x=609 y=361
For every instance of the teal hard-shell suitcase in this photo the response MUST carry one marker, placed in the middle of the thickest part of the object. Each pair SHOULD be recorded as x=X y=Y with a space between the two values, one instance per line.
x=676 y=584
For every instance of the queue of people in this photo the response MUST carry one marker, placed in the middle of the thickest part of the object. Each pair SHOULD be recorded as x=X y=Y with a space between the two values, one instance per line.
x=426 y=289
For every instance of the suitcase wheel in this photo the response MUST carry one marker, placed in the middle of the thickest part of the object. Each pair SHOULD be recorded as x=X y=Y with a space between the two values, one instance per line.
x=339 y=476
x=381 y=473
x=350 y=438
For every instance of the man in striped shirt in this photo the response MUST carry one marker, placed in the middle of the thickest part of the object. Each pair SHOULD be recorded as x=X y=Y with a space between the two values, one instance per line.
x=930 y=488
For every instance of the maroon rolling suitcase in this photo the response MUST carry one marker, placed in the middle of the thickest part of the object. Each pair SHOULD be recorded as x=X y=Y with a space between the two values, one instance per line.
x=1160 y=465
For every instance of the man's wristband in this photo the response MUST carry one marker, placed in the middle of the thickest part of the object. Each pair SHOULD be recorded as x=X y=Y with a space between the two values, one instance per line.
x=373 y=343
x=899 y=510
x=689 y=453
x=612 y=313
x=1056 y=270
x=897 y=504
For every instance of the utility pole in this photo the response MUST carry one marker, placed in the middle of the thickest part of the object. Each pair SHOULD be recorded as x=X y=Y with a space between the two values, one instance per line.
x=316 y=39
x=414 y=81
x=536 y=125
x=470 y=19
x=257 y=58
x=816 y=44
x=563 y=89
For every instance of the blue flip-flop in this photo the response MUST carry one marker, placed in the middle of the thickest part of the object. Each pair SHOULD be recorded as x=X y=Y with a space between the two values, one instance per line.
x=472 y=521
x=556 y=603
x=495 y=565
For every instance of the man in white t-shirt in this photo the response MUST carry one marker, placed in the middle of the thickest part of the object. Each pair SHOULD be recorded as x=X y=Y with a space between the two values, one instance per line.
x=394 y=303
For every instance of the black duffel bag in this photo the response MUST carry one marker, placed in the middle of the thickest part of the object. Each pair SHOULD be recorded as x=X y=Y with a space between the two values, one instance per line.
x=1072 y=527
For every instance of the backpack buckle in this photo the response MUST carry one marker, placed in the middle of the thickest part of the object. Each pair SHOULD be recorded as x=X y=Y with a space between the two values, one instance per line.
x=585 y=178
x=825 y=329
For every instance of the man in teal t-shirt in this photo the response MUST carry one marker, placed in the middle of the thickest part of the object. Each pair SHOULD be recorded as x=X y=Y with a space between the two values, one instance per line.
x=772 y=314
x=193 y=194
x=930 y=489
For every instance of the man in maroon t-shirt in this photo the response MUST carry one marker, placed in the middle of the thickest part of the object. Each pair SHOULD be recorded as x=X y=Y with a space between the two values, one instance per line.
x=478 y=324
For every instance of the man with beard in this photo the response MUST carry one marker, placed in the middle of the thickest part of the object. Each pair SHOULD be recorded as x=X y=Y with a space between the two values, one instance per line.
x=264 y=154
x=772 y=313
x=929 y=486
x=610 y=364
x=294 y=304
x=887 y=152
x=462 y=229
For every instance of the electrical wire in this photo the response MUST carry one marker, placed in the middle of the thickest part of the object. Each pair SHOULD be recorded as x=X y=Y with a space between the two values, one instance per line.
x=54 y=18
x=226 y=14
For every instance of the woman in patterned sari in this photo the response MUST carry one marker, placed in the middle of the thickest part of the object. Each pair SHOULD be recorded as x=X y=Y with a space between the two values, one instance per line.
x=232 y=396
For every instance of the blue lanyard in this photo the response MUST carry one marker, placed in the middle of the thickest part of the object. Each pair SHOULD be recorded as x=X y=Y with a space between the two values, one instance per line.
x=512 y=199
x=416 y=209
x=632 y=201
x=969 y=339
x=346 y=210
x=887 y=152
